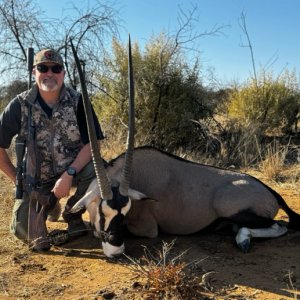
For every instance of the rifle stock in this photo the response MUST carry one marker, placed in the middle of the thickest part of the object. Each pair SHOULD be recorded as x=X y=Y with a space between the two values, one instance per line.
x=20 y=151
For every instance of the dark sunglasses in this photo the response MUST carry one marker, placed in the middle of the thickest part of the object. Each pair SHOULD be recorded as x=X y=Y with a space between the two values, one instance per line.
x=54 y=69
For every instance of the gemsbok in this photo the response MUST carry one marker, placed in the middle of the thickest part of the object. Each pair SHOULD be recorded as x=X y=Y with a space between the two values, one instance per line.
x=146 y=189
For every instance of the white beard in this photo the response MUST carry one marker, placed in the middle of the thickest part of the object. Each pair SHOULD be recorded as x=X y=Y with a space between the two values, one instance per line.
x=49 y=85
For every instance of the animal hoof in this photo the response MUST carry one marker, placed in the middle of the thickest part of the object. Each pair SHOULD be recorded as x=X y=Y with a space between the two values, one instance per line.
x=245 y=245
x=243 y=239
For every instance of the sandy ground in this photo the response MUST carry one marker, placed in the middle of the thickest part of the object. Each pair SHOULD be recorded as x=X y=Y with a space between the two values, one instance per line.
x=79 y=270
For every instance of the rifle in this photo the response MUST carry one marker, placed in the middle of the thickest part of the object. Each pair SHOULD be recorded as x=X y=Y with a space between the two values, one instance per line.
x=20 y=145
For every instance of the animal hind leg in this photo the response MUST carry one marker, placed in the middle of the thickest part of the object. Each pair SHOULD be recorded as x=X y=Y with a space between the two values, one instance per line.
x=248 y=218
x=245 y=234
x=254 y=226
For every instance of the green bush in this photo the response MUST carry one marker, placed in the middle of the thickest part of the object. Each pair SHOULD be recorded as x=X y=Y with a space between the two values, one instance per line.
x=268 y=103
x=168 y=95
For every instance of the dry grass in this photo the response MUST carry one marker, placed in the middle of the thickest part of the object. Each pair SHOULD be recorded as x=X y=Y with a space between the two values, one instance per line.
x=273 y=164
x=291 y=280
x=111 y=148
x=10 y=246
x=163 y=275
x=274 y=170
x=291 y=177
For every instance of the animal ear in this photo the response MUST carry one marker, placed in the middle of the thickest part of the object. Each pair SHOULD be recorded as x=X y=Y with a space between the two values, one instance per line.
x=136 y=195
x=91 y=196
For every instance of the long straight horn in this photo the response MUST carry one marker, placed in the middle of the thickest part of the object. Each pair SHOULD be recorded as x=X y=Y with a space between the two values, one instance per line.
x=124 y=184
x=102 y=179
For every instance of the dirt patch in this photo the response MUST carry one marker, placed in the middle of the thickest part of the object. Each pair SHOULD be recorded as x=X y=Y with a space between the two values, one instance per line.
x=79 y=270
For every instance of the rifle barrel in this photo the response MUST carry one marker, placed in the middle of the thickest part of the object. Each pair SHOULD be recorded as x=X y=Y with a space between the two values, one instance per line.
x=29 y=65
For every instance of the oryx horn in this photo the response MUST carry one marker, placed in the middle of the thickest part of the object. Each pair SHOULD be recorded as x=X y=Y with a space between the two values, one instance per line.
x=124 y=184
x=103 y=182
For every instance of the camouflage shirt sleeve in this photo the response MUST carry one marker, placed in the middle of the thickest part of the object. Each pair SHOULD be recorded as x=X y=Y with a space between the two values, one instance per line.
x=10 y=123
x=82 y=124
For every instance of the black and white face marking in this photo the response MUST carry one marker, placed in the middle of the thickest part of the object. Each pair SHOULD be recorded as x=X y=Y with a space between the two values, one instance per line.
x=112 y=217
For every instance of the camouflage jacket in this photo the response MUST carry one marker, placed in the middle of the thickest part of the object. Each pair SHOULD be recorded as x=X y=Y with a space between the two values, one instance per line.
x=57 y=138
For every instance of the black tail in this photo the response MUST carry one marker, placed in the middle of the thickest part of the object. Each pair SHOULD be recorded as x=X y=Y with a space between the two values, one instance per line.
x=294 y=218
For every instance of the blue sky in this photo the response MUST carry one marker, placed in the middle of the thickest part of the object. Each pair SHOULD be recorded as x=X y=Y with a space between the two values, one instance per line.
x=273 y=27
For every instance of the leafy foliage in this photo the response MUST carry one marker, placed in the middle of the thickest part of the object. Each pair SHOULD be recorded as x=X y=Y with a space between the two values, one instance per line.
x=23 y=24
x=7 y=93
x=268 y=103
x=168 y=95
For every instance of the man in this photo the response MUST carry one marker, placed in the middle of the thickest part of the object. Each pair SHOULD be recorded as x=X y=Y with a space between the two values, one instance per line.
x=63 y=153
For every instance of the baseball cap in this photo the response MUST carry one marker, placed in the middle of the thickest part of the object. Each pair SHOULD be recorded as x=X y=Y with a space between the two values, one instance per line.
x=48 y=55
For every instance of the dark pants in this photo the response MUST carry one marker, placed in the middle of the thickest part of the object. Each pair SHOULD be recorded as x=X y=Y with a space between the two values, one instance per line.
x=19 y=223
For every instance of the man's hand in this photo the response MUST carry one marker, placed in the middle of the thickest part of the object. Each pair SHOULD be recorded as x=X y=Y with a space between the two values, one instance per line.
x=63 y=186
